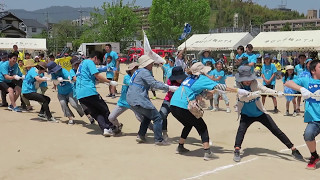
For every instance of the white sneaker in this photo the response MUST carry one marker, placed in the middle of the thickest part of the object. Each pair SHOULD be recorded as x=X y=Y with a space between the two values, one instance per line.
x=214 y=109
x=294 y=114
x=228 y=110
x=287 y=113
x=107 y=132
x=52 y=119
x=71 y=122
x=209 y=156
x=165 y=136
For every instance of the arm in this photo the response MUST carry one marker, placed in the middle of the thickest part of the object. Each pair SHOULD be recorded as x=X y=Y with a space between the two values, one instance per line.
x=39 y=79
x=293 y=85
x=101 y=78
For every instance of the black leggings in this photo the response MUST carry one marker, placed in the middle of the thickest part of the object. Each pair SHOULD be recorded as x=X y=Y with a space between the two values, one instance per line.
x=43 y=99
x=267 y=121
x=188 y=120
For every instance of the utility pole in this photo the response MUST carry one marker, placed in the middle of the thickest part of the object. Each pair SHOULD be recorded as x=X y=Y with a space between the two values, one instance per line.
x=81 y=11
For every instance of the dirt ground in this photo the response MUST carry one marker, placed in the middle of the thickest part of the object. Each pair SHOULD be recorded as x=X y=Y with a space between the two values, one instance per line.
x=35 y=149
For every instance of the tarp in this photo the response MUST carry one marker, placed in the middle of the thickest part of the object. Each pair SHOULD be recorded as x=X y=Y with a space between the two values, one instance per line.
x=216 y=42
x=23 y=43
x=287 y=41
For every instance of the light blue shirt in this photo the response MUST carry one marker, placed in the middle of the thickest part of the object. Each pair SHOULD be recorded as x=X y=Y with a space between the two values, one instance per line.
x=28 y=83
x=268 y=71
x=44 y=83
x=114 y=56
x=312 y=105
x=73 y=74
x=298 y=69
x=252 y=58
x=85 y=85
x=288 y=78
x=5 y=69
x=179 y=97
x=164 y=67
x=109 y=68
x=64 y=87
x=168 y=71
x=204 y=60
x=123 y=98
x=243 y=62
x=250 y=108
x=217 y=74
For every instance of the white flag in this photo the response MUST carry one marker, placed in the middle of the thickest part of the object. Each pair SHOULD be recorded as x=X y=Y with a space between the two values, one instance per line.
x=148 y=51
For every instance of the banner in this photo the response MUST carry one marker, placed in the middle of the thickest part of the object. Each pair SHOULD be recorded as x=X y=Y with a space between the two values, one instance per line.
x=148 y=51
x=186 y=31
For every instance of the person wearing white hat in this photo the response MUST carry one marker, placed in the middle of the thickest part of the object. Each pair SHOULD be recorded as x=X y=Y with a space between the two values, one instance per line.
x=289 y=75
x=137 y=97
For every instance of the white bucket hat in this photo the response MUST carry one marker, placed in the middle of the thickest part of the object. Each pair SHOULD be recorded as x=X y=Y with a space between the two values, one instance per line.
x=144 y=61
x=198 y=68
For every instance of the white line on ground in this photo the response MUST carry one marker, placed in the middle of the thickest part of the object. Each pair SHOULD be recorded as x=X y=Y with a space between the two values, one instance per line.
x=221 y=168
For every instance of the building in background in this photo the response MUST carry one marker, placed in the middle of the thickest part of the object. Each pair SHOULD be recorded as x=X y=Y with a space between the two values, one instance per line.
x=143 y=14
x=312 y=14
x=32 y=27
x=85 y=20
x=10 y=26
x=295 y=25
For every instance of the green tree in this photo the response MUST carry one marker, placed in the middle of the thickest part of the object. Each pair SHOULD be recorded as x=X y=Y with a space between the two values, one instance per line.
x=286 y=27
x=116 y=22
x=167 y=18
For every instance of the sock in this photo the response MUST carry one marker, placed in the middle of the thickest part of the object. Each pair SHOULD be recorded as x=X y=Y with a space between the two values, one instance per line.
x=315 y=154
x=207 y=150
x=181 y=145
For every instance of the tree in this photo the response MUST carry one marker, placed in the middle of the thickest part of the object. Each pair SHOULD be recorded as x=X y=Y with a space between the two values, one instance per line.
x=167 y=18
x=286 y=27
x=115 y=23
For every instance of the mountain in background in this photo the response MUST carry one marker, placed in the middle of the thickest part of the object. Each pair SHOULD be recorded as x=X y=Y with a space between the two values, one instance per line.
x=55 y=13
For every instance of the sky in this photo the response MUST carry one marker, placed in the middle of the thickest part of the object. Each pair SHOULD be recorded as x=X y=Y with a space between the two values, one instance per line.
x=300 y=5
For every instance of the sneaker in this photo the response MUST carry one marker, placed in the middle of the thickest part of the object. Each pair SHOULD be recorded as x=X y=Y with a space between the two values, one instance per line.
x=4 y=105
x=52 y=119
x=71 y=122
x=17 y=109
x=210 y=108
x=40 y=115
x=287 y=113
x=312 y=165
x=162 y=143
x=275 y=111
x=209 y=156
x=181 y=150
x=294 y=114
x=235 y=108
x=165 y=136
x=214 y=109
x=296 y=155
x=228 y=110
x=236 y=155
x=108 y=132
x=140 y=139
x=10 y=107
x=154 y=97
x=113 y=96
x=109 y=95
x=117 y=130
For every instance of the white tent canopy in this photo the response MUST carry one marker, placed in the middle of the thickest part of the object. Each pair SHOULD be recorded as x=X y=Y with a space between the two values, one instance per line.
x=23 y=43
x=287 y=41
x=216 y=42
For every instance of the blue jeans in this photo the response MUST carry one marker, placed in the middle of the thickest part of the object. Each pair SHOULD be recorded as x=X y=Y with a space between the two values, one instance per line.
x=312 y=130
x=164 y=112
x=148 y=115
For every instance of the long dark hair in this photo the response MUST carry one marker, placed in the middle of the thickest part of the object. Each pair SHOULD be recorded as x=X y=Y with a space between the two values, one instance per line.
x=287 y=76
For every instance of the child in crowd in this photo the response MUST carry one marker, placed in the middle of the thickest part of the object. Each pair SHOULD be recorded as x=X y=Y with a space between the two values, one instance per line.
x=251 y=110
x=206 y=58
x=22 y=69
x=240 y=58
x=109 y=69
x=289 y=75
x=268 y=75
x=168 y=69
x=307 y=86
x=218 y=76
x=298 y=69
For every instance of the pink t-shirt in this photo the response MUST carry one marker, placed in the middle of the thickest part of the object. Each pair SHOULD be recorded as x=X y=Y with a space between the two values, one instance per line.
x=169 y=93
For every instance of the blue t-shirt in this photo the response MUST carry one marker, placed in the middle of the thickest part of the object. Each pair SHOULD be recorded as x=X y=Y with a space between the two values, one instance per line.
x=114 y=56
x=5 y=69
x=44 y=83
x=204 y=60
x=252 y=58
x=250 y=108
x=168 y=71
x=288 y=78
x=28 y=83
x=164 y=67
x=243 y=62
x=85 y=85
x=217 y=74
x=298 y=69
x=312 y=104
x=73 y=74
x=64 y=87
x=179 y=97
x=268 y=71
x=109 y=68
x=123 y=98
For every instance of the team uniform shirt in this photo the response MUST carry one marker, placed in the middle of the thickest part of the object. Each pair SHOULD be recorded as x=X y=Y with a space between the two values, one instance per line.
x=168 y=71
x=298 y=69
x=114 y=56
x=204 y=60
x=86 y=81
x=243 y=62
x=73 y=74
x=109 y=69
x=64 y=87
x=5 y=69
x=289 y=78
x=64 y=62
x=268 y=71
x=252 y=58
x=28 y=84
x=123 y=98
x=44 y=83
x=312 y=105
x=189 y=89
x=217 y=74
x=250 y=108
x=164 y=67
x=22 y=70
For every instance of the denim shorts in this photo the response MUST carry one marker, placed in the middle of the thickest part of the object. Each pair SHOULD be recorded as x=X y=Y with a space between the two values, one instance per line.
x=312 y=130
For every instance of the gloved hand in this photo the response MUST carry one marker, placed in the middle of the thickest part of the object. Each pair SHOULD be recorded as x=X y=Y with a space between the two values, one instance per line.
x=254 y=95
x=243 y=92
x=113 y=83
x=60 y=79
x=46 y=78
x=280 y=94
x=173 y=88
x=306 y=94
x=23 y=77
x=16 y=77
